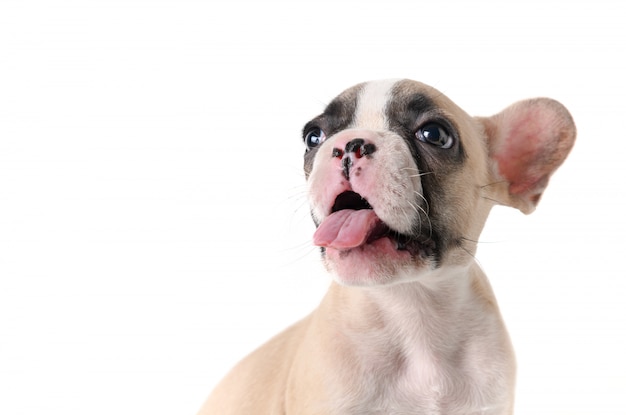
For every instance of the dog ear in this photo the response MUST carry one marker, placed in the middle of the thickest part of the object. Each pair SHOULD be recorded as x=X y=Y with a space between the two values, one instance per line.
x=527 y=142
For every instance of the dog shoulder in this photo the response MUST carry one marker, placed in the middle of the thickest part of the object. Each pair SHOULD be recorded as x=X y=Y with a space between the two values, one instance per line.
x=257 y=384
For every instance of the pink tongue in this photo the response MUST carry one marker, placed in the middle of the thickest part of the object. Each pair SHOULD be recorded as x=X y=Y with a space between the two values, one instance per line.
x=346 y=229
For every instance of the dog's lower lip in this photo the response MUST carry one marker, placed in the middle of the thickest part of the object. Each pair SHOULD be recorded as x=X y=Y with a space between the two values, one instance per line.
x=402 y=242
x=384 y=231
x=416 y=246
x=354 y=224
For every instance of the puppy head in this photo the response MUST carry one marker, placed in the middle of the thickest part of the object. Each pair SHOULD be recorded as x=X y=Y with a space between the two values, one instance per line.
x=401 y=180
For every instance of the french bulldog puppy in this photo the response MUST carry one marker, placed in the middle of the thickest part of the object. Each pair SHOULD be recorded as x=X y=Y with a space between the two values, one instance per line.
x=400 y=183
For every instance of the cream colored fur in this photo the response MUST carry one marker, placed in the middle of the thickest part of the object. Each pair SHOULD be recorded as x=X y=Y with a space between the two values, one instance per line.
x=427 y=338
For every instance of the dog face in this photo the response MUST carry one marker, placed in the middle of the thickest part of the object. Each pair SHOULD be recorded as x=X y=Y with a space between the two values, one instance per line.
x=401 y=180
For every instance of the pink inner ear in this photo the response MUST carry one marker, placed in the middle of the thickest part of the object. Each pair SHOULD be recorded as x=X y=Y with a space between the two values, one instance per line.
x=521 y=149
x=525 y=157
x=529 y=141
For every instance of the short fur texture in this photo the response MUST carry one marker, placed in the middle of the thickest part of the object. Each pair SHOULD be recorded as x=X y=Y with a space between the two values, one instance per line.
x=410 y=324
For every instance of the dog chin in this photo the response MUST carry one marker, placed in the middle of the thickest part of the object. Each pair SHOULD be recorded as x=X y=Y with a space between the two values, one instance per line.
x=375 y=263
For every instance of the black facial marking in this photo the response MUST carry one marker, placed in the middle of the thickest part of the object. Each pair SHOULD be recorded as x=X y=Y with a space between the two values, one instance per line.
x=408 y=110
x=336 y=117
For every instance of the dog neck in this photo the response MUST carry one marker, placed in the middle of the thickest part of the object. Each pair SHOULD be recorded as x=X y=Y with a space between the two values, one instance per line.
x=412 y=313
x=406 y=343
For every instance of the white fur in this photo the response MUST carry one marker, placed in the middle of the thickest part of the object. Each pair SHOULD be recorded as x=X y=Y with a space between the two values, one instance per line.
x=389 y=181
x=372 y=101
x=421 y=338
x=409 y=364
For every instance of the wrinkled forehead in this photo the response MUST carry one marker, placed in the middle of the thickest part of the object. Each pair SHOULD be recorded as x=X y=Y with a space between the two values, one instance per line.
x=372 y=105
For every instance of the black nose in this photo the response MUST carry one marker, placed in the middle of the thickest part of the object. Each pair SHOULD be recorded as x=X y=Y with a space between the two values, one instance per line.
x=359 y=147
x=355 y=149
x=354 y=145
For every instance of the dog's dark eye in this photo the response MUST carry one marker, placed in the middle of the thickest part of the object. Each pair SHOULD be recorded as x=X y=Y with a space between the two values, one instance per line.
x=314 y=137
x=435 y=134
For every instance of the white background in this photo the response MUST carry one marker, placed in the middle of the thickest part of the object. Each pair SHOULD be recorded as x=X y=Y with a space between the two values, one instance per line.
x=153 y=219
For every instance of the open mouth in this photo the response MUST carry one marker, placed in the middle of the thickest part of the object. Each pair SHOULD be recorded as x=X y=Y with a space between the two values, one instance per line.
x=353 y=223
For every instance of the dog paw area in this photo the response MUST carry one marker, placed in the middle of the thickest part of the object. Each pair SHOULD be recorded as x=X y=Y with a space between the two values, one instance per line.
x=154 y=221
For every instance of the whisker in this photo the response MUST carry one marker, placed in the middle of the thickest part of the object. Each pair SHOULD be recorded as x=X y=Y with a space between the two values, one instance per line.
x=304 y=202
x=492 y=184
x=469 y=253
x=418 y=175
x=460 y=244
x=417 y=208
x=299 y=190
x=469 y=240
x=306 y=248
x=425 y=201
x=493 y=200
x=479 y=242
x=300 y=193
x=430 y=224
